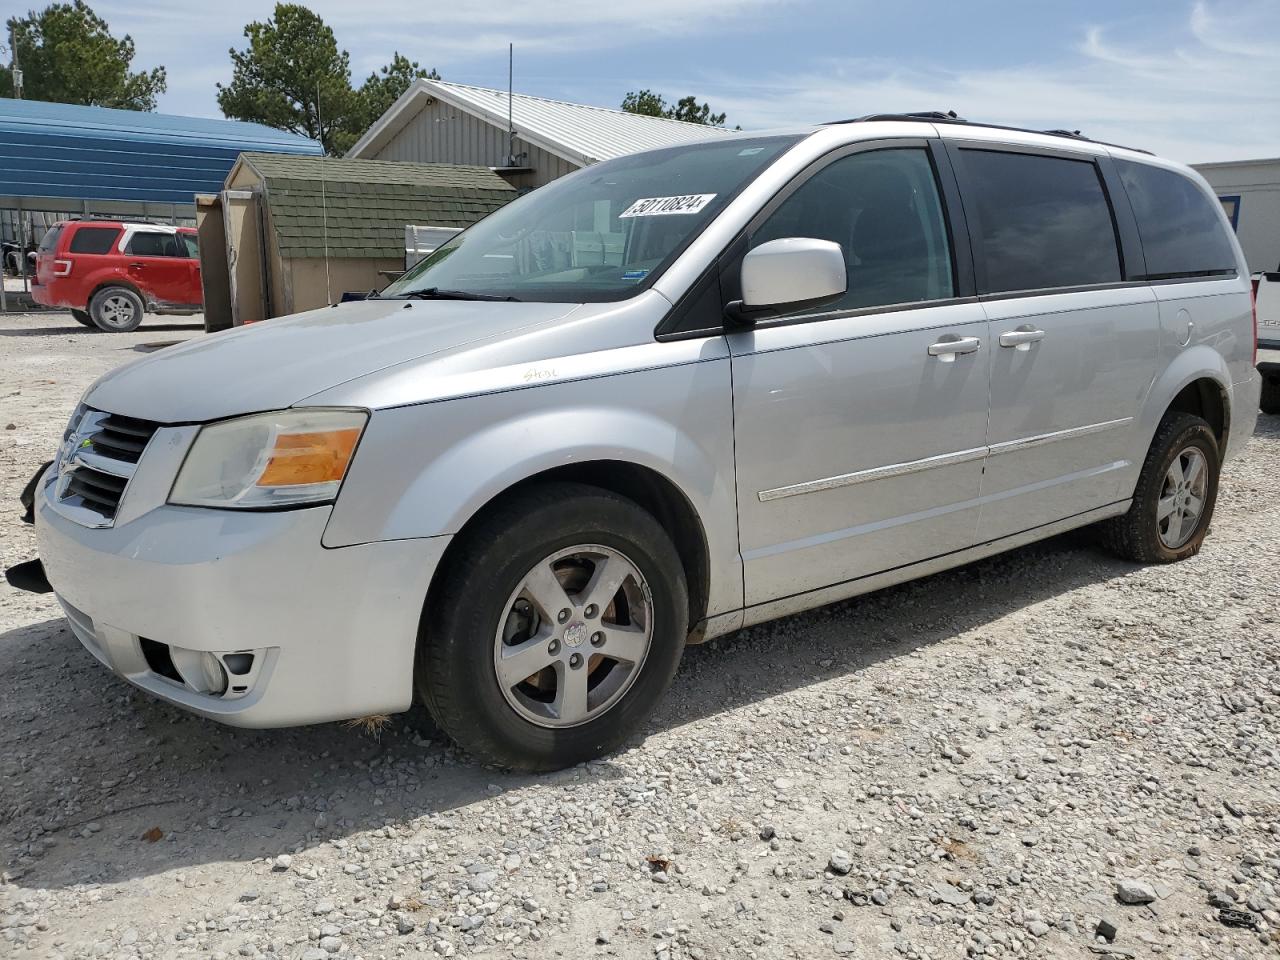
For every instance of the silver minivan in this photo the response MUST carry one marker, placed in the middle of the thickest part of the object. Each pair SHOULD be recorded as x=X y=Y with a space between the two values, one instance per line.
x=657 y=400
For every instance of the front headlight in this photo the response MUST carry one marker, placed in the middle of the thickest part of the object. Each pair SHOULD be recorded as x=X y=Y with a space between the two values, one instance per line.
x=270 y=460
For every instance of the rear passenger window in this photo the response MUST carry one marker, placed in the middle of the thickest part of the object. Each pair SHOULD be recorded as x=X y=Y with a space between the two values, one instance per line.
x=1043 y=222
x=93 y=239
x=50 y=239
x=154 y=245
x=1182 y=234
x=882 y=208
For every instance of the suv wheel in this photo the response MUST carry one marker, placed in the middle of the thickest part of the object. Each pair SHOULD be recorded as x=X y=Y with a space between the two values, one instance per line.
x=1270 y=394
x=558 y=627
x=116 y=309
x=82 y=316
x=1173 y=502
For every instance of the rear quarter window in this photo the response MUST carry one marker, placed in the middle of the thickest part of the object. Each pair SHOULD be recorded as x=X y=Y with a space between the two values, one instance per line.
x=1180 y=225
x=50 y=240
x=93 y=239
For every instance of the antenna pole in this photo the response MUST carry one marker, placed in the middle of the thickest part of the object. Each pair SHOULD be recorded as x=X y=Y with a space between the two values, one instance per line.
x=324 y=205
x=511 y=130
x=14 y=65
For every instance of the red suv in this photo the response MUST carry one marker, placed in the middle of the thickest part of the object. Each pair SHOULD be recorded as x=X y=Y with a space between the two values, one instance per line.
x=109 y=272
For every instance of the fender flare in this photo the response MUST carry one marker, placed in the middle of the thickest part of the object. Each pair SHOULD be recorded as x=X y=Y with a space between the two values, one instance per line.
x=1200 y=362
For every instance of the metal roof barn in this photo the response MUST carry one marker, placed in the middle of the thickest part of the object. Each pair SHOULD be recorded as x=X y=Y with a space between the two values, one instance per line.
x=538 y=140
x=59 y=156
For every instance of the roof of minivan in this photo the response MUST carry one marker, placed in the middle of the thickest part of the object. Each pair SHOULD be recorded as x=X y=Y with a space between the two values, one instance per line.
x=909 y=126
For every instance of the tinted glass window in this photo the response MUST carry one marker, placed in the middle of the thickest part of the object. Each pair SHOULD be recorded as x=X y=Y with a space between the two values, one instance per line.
x=1043 y=221
x=189 y=246
x=883 y=209
x=154 y=245
x=601 y=234
x=50 y=239
x=1182 y=234
x=93 y=239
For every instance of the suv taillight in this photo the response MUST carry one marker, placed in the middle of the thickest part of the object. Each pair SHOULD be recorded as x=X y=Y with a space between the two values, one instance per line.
x=1253 y=302
x=62 y=268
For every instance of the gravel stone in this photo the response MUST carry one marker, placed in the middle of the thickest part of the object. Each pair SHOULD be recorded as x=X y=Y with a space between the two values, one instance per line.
x=1135 y=892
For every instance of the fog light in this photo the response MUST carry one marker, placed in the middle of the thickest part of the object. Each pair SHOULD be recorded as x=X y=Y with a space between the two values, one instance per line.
x=215 y=676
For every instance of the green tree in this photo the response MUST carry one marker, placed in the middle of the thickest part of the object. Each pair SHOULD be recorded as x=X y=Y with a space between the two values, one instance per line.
x=68 y=55
x=383 y=88
x=650 y=104
x=292 y=76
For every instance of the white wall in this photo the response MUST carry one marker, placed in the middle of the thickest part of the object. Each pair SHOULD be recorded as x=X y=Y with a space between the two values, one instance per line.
x=441 y=133
x=1257 y=184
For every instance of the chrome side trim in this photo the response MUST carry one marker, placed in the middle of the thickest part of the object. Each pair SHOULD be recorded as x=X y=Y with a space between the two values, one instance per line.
x=1025 y=443
x=875 y=473
x=930 y=463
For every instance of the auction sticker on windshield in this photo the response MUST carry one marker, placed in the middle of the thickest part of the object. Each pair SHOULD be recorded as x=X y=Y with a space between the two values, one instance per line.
x=666 y=206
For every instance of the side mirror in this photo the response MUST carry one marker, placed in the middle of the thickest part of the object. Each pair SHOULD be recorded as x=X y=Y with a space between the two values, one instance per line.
x=788 y=274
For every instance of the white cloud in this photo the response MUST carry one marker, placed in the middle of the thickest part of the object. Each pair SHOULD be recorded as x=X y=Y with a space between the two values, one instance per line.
x=1209 y=90
x=1203 y=83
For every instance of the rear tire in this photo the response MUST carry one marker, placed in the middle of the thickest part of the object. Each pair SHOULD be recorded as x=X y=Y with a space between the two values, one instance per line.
x=82 y=317
x=1174 y=499
x=1270 y=402
x=533 y=587
x=116 y=309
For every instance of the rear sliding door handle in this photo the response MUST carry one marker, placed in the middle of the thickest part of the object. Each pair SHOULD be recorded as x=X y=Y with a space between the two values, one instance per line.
x=1020 y=339
x=946 y=350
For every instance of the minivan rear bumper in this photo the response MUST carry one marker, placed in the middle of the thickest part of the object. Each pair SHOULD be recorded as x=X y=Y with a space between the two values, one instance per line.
x=331 y=631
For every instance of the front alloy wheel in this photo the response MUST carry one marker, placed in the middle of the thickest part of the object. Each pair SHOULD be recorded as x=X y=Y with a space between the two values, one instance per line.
x=575 y=636
x=556 y=626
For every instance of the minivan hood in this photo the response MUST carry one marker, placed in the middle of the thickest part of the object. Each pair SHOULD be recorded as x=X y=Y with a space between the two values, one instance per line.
x=273 y=365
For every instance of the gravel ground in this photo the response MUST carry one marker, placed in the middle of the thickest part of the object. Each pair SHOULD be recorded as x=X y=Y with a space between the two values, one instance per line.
x=984 y=763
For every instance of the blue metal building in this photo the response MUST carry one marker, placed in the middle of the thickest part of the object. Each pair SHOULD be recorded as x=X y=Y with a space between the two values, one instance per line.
x=59 y=157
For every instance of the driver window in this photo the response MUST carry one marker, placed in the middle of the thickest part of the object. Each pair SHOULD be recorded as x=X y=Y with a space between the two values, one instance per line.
x=882 y=208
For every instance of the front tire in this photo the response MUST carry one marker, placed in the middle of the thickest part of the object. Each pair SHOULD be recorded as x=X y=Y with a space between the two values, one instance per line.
x=1175 y=496
x=558 y=626
x=82 y=317
x=1270 y=402
x=116 y=309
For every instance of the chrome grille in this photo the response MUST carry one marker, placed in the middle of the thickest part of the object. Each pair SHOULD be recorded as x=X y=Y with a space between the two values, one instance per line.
x=122 y=438
x=97 y=461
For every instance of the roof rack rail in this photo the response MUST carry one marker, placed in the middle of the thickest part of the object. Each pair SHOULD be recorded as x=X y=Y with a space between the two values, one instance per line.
x=88 y=217
x=950 y=116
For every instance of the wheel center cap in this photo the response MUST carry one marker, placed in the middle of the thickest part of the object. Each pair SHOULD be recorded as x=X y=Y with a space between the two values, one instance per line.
x=575 y=634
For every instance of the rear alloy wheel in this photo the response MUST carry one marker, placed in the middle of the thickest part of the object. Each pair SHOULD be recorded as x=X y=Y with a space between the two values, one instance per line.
x=116 y=309
x=81 y=316
x=1174 y=499
x=558 y=625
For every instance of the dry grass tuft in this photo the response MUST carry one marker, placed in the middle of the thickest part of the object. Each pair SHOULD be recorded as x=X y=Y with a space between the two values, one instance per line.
x=370 y=726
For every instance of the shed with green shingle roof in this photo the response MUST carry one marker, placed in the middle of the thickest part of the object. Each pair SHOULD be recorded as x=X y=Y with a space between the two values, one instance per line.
x=309 y=229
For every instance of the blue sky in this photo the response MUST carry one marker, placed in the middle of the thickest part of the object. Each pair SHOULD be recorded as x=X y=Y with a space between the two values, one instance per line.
x=1196 y=81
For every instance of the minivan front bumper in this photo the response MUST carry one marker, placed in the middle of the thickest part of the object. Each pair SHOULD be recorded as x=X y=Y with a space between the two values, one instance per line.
x=331 y=631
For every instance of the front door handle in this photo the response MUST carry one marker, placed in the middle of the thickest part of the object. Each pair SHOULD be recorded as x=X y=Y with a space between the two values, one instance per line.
x=946 y=350
x=1021 y=339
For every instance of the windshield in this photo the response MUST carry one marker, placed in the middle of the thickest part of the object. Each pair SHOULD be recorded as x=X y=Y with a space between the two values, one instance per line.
x=597 y=235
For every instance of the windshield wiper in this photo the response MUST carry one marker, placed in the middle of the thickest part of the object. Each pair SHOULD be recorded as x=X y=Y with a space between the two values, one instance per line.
x=435 y=293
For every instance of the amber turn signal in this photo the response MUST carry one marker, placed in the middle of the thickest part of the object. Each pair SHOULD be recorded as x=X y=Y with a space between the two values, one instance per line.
x=319 y=457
